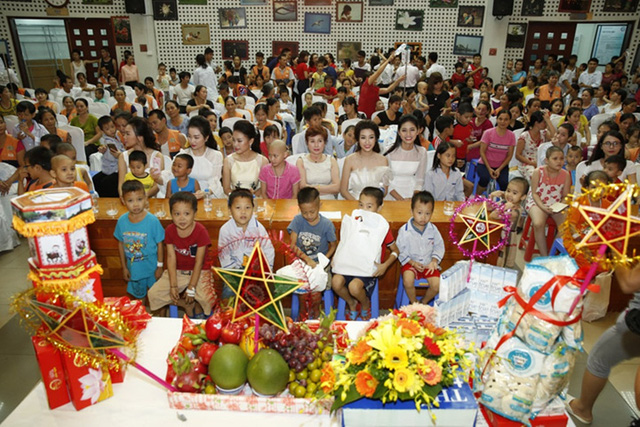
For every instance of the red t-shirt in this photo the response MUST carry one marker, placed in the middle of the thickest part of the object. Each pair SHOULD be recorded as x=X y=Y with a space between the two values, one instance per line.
x=462 y=133
x=368 y=98
x=477 y=77
x=477 y=132
x=457 y=78
x=187 y=247
x=388 y=240
x=300 y=69
x=331 y=91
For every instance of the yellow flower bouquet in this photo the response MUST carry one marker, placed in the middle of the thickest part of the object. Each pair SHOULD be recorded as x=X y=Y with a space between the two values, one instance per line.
x=403 y=357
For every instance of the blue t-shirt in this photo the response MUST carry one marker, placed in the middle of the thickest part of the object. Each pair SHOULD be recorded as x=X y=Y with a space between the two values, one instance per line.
x=313 y=238
x=189 y=188
x=140 y=241
x=518 y=76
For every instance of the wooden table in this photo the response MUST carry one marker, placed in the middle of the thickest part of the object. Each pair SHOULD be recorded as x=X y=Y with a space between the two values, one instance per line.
x=277 y=216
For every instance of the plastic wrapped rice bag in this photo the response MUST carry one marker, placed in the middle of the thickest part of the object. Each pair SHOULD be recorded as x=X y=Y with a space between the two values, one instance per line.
x=554 y=377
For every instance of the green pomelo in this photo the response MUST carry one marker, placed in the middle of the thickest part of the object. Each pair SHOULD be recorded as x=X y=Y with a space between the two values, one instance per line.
x=268 y=373
x=228 y=367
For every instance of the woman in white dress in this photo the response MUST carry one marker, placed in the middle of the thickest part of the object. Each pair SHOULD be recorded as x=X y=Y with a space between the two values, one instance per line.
x=366 y=167
x=242 y=168
x=316 y=168
x=407 y=160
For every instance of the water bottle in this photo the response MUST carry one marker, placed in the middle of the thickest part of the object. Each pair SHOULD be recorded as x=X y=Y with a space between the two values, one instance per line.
x=94 y=201
x=208 y=203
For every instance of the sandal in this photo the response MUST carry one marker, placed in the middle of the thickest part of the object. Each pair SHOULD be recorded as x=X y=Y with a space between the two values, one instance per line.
x=569 y=409
x=351 y=315
x=366 y=314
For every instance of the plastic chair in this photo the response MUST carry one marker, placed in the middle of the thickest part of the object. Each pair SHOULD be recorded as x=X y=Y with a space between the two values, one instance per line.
x=77 y=140
x=328 y=304
x=173 y=311
x=528 y=241
x=402 y=298
x=558 y=248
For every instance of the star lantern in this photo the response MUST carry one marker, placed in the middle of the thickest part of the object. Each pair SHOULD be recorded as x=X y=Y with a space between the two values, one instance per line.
x=479 y=227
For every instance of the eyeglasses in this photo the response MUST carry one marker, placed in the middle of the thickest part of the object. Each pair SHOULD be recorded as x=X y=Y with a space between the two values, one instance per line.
x=611 y=144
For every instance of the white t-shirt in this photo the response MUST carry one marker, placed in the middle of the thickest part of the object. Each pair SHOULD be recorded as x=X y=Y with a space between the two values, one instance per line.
x=590 y=79
x=184 y=95
x=437 y=68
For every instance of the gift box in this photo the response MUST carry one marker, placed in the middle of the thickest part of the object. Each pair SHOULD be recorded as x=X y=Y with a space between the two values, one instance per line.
x=53 y=378
x=60 y=250
x=82 y=278
x=87 y=385
x=457 y=408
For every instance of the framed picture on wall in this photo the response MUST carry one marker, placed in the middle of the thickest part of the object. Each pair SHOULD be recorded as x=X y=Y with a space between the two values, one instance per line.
x=194 y=34
x=380 y=2
x=231 y=48
x=409 y=20
x=443 y=3
x=284 y=11
x=415 y=47
x=467 y=45
x=231 y=18
x=94 y=2
x=622 y=6
x=121 y=30
x=532 y=8
x=197 y=2
x=317 y=2
x=319 y=23
x=277 y=46
x=574 y=6
x=254 y=2
x=165 y=10
x=516 y=35
x=470 y=16
x=347 y=11
x=348 y=50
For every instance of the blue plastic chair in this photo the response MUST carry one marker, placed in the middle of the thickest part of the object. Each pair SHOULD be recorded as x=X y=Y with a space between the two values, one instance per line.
x=558 y=247
x=402 y=298
x=173 y=311
x=472 y=175
x=328 y=304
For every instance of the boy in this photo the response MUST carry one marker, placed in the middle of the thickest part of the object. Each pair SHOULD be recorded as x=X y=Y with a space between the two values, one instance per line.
x=181 y=169
x=574 y=157
x=286 y=106
x=508 y=73
x=28 y=131
x=356 y=290
x=515 y=194
x=106 y=181
x=238 y=235
x=279 y=179
x=308 y=101
x=140 y=237
x=462 y=133
x=458 y=76
x=327 y=92
x=82 y=172
x=311 y=233
x=50 y=141
x=445 y=128
x=36 y=170
x=613 y=167
x=475 y=70
x=99 y=93
x=162 y=80
x=421 y=248
x=421 y=100
x=188 y=264
x=137 y=167
x=63 y=170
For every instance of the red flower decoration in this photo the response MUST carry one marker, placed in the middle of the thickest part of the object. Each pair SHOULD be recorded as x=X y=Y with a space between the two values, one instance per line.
x=432 y=346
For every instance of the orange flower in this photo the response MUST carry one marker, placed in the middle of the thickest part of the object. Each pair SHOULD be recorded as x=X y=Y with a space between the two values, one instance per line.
x=434 y=329
x=409 y=327
x=430 y=372
x=365 y=383
x=359 y=353
x=327 y=379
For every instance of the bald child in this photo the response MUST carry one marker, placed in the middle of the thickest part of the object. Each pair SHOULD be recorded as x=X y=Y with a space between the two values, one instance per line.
x=63 y=170
x=279 y=179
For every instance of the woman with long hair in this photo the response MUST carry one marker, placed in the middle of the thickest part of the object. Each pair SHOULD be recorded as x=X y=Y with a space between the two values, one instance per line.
x=138 y=135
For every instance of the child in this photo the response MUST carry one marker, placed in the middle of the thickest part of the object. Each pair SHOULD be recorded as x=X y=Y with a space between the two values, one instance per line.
x=445 y=128
x=512 y=197
x=475 y=70
x=82 y=172
x=458 y=75
x=50 y=141
x=63 y=170
x=28 y=130
x=188 y=264
x=36 y=170
x=508 y=73
x=99 y=96
x=462 y=133
x=238 y=235
x=349 y=141
x=138 y=172
x=561 y=140
x=106 y=181
x=311 y=233
x=337 y=102
x=549 y=184
x=633 y=143
x=270 y=134
x=241 y=104
x=614 y=166
x=162 y=80
x=356 y=290
x=328 y=92
x=421 y=248
x=286 y=106
x=181 y=169
x=173 y=77
x=422 y=103
x=140 y=237
x=443 y=180
x=317 y=79
x=574 y=157
x=226 y=135
x=308 y=101
x=279 y=179
x=43 y=100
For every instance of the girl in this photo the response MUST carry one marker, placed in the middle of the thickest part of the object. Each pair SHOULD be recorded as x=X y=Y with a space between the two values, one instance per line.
x=349 y=141
x=8 y=102
x=279 y=179
x=129 y=72
x=89 y=125
x=69 y=110
x=242 y=168
x=516 y=113
x=580 y=124
x=549 y=184
x=538 y=131
x=199 y=100
x=496 y=152
x=479 y=124
x=533 y=105
x=43 y=100
x=121 y=104
x=226 y=135
x=350 y=107
x=366 y=167
x=261 y=112
x=87 y=89
x=437 y=98
x=600 y=97
x=316 y=168
x=616 y=98
x=270 y=134
x=627 y=120
x=205 y=76
x=557 y=109
x=530 y=88
x=78 y=65
x=138 y=135
x=498 y=90
x=176 y=120
x=407 y=160
x=443 y=180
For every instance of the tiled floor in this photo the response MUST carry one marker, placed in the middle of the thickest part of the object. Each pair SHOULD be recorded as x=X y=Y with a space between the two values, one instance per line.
x=19 y=371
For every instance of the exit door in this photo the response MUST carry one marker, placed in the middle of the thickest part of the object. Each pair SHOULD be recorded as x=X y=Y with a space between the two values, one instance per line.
x=544 y=38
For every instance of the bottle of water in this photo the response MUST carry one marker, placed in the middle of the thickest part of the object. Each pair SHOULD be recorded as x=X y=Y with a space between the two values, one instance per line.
x=208 y=203
x=94 y=201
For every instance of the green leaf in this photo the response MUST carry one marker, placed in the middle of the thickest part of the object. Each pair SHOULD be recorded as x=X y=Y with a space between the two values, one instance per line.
x=352 y=396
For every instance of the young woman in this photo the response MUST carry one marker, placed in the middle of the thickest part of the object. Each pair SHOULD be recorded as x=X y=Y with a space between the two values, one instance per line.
x=176 y=120
x=242 y=168
x=129 y=72
x=495 y=153
x=391 y=116
x=47 y=118
x=350 y=107
x=121 y=104
x=407 y=160
x=89 y=125
x=43 y=101
x=7 y=102
x=538 y=131
x=205 y=76
x=138 y=135
x=316 y=168
x=230 y=105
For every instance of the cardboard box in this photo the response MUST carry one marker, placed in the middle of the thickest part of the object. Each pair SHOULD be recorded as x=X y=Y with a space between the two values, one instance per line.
x=53 y=378
x=87 y=385
x=51 y=205
x=60 y=250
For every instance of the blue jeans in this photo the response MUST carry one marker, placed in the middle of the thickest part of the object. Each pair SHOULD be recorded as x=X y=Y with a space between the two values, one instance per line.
x=483 y=173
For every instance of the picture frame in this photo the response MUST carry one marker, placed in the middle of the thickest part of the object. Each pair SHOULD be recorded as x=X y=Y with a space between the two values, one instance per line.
x=443 y=3
x=121 y=26
x=349 y=11
x=232 y=18
x=193 y=2
x=195 y=34
x=574 y=6
x=254 y=2
x=416 y=47
x=277 y=46
x=92 y=2
x=409 y=20
x=230 y=48
x=466 y=45
x=348 y=50
x=516 y=35
x=165 y=10
x=317 y=2
x=318 y=23
x=620 y=6
x=532 y=8
x=470 y=16
x=380 y=2
x=285 y=11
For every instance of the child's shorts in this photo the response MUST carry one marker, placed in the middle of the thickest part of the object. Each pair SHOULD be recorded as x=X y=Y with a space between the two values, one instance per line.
x=420 y=275
x=139 y=288
x=369 y=283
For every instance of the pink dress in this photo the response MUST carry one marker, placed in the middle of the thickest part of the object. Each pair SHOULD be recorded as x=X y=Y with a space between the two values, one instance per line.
x=549 y=189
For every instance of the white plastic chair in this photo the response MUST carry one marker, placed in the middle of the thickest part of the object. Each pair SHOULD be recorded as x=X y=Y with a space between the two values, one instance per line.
x=77 y=140
x=12 y=121
x=111 y=102
x=555 y=121
x=245 y=113
x=139 y=110
x=331 y=112
x=298 y=144
x=62 y=120
x=95 y=162
x=99 y=109
x=130 y=93
x=293 y=159
x=597 y=120
x=351 y=122
x=373 y=116
x=230 y=122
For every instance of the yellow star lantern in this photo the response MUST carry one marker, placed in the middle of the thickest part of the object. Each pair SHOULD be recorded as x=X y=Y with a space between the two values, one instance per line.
x=258 y=291
x=479 y=227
